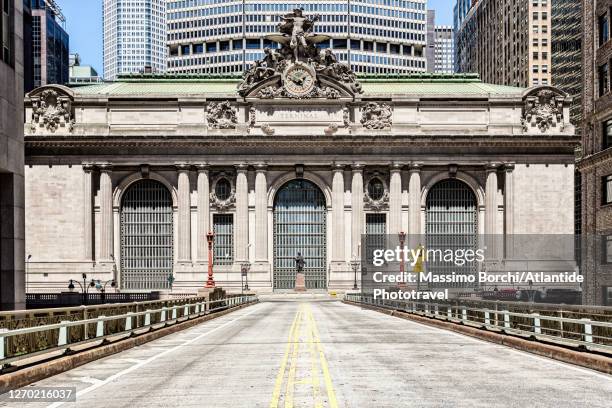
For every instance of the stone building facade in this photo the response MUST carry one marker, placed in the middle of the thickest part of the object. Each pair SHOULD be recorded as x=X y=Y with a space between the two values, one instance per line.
x=596 y=163
x=256 y=169
x=299 y=159
x=12 y=294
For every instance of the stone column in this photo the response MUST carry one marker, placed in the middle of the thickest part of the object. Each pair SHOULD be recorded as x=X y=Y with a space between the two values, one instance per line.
x=338 y=236
x=87 y=213
x=203 y=212
x=356 y=209
x=261 y=214
x=490 y=227
x=395 y=199
x=509 y=209
x=106 y=214
x=184 y=215
x=414 y=200
x=241 y=222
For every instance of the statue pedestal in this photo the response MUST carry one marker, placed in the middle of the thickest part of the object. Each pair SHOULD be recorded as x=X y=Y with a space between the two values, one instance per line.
x=300 y=282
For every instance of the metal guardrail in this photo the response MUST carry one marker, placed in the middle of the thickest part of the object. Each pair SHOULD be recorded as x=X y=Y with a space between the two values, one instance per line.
x=27 y=342
x=590 y=333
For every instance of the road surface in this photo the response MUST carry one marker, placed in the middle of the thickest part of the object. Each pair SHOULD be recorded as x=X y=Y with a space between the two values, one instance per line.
x=326 y=354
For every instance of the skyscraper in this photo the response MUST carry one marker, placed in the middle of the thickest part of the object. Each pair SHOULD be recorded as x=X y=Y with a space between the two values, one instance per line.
x=225 y=36
x=444 y=50
x=46 y=55
x=508 y=42
x=134 y=36
x=12 y=288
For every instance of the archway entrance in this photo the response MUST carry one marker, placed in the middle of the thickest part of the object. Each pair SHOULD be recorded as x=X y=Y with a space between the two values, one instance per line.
x=300 y=226
x=146 y=236
x=451 y=224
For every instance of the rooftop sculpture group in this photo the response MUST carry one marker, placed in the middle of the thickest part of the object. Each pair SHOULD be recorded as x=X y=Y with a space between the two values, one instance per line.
x=298 y=69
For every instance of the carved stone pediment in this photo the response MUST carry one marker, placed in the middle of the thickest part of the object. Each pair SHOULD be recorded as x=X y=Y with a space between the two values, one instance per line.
x=375 y=115
x=298 y=69
x=221 y=115
x=52 y=109
x=543 y=110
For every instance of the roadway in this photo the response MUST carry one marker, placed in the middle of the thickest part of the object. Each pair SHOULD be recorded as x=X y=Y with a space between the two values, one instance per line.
x=325 y=354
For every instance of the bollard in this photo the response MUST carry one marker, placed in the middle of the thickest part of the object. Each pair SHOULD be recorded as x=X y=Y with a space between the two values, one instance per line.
x=506 y=319
x=426 y=309
x=436 y=310
x=100 y=327
x=464 y=317
x=186 y=311
x=174 y=313
x=62 y=339
x=163 y=314
x=588 y=330
x=536 y=323
x=128 y=321
x=449 y=312
x=147 y=321
x=487 y=318
x=197 y=308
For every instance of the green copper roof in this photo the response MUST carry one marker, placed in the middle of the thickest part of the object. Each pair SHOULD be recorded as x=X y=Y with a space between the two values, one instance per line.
x=421 y=84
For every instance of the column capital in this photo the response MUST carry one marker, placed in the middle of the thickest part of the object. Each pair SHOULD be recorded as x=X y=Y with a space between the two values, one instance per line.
x=88 y=167
x=202 y=167
x=261 y=167
x=415 y=167
x=338 y=166
x=491 y=167
x=182 y=167
x=104 y=167
x=396 y=166
x=509 y=167
x=241 y=167
x=357 y=167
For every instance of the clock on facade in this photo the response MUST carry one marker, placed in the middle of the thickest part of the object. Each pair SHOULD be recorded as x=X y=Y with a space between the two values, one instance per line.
x=299 y=79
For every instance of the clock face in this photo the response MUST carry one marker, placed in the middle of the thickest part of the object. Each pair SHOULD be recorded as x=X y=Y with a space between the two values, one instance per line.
x=299 y=80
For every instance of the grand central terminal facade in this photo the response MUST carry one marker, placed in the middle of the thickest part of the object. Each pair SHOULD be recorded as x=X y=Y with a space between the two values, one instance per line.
x=124 y=180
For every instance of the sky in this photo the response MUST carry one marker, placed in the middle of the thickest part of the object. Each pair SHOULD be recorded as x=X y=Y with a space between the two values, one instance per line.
x=84 y=25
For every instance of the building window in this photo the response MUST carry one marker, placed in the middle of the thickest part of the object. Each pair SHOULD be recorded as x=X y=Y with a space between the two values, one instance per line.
x=376 y=228
x=607 y=134
x=6 y=31
x=606 y=250
x=223 y=189
x=604 y=80
x=536 y=55
x=376 y=189
x=604 y=29
x=607 y=190
x=223 y=226
x=607 y=296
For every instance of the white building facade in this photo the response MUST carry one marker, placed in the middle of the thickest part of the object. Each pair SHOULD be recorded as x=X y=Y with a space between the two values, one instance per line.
x=444 y=50
x=227 y=36
x=134 y=36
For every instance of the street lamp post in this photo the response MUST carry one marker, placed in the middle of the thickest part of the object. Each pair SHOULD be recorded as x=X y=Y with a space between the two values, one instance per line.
x=244 y=272
x=210 y=238
x=402 y=239
x=355 y=263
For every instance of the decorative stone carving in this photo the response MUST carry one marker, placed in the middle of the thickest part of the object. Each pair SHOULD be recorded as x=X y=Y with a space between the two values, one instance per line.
x=267 y=129
x=380 y=202
x=298 y=69
x=223 y=203
x=346 y=116
x=376 y=115
x=331 y=129
x=543 y=110
x=51 y=110
x=221 y=115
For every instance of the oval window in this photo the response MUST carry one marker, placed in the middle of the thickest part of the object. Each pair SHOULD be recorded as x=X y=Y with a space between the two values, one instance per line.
x=376 y=189
x=223 y=189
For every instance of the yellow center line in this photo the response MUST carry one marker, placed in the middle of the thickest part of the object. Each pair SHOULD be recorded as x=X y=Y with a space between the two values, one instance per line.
x=314 y=367
x=281 y=371
x=333 y=403
x=291 y=377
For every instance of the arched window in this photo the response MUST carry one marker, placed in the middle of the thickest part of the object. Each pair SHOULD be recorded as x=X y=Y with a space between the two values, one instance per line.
x=300 y=227
x=451 y=224
x=146 y=236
